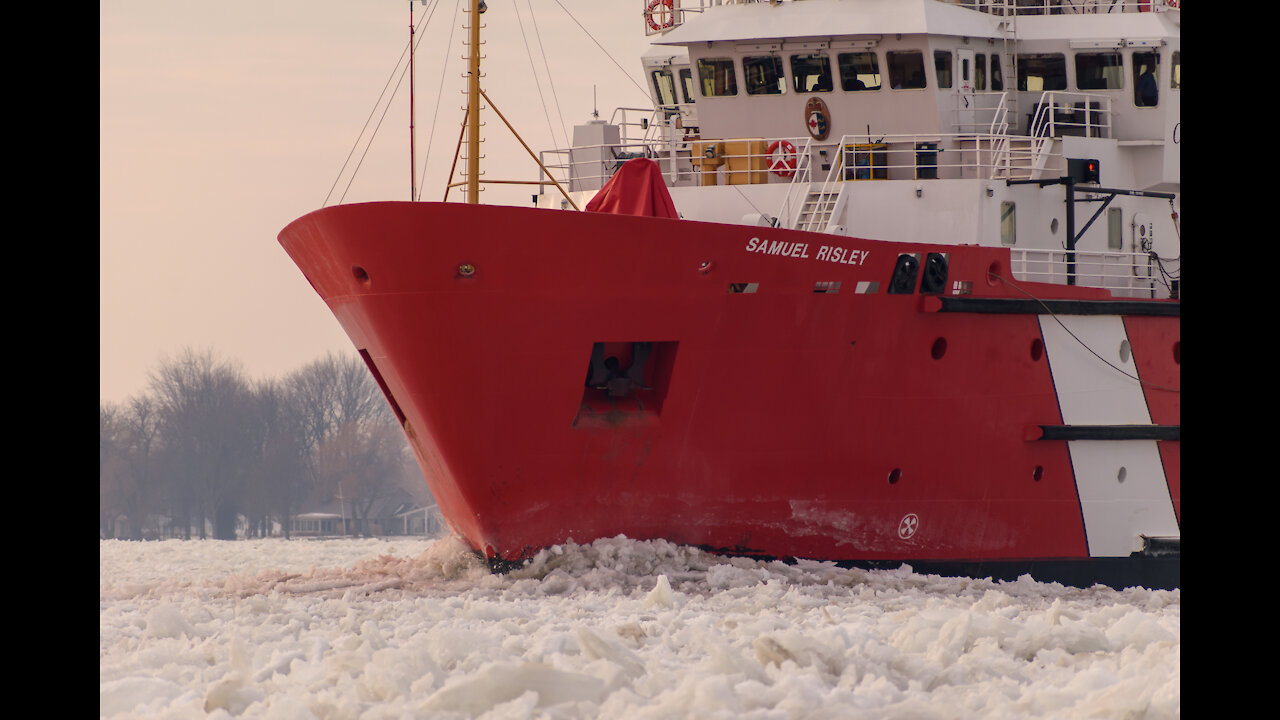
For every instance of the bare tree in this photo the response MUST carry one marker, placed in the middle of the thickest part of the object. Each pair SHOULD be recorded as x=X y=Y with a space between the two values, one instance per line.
x=203 y=404
x=366 y=463
x=331 y=391
x=130 y=483
x=278 y=480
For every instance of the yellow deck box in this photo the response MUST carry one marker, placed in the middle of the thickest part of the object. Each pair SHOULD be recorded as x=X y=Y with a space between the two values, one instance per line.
x=746 y=162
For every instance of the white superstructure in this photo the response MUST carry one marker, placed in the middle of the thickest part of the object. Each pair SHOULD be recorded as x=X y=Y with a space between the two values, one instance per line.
x=921 y=121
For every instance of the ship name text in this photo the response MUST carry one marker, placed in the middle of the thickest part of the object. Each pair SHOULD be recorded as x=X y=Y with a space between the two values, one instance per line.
x=830 y=253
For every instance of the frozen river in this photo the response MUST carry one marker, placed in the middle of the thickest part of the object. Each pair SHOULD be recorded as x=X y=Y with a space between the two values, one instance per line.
x=411 y=628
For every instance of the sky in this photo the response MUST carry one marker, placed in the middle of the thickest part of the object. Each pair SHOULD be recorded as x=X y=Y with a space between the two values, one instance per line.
x=220 y=123
x=621 y=629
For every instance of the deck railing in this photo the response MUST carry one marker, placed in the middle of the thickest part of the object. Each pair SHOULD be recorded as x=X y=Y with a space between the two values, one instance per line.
x=687 y=161
x=662 y=15
x=1125 y=274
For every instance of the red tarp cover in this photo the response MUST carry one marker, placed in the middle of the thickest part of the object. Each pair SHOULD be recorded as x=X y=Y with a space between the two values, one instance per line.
x=636 y=188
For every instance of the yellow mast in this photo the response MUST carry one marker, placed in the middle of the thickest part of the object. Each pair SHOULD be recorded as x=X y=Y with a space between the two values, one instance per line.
x=473 y=108
x=471 y=126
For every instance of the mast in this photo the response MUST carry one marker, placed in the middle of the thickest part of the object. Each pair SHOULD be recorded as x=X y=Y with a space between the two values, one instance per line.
x=473 y=107
x=413 y=188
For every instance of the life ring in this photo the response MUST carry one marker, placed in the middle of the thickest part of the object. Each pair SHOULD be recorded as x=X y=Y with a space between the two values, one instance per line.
x=666 y=7
x=785 y=165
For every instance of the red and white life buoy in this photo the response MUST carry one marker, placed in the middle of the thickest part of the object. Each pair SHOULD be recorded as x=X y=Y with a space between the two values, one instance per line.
x=784 y=165
x=662 y=8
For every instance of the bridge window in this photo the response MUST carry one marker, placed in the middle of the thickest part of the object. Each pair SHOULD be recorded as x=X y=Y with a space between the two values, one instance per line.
x=1037 y=73
x=664 y=86
x=811 y=73
x=858 y=71
x=717 y=77
x=906 y=69
x=686 y=84
x=1146 y=74
x=764 y=75
x=980 y=72
x=1175 y=71
x=1099 y=71
x=997 y=78
x=942 y=66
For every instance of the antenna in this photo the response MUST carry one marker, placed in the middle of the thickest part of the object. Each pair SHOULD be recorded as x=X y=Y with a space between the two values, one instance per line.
x=595 y=112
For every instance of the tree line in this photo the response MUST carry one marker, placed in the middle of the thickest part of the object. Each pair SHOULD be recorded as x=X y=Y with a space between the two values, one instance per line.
x=204 y=445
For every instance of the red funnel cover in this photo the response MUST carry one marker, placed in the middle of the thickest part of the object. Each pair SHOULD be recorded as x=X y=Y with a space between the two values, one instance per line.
x=636 y=188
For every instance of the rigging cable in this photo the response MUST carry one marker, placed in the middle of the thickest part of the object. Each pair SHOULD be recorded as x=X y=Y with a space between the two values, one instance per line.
x=554 y=96
x=1054 y=315
x=444 y=68
x=606 y=52
x=532 y=68
x=422 y=23
x=366 y=127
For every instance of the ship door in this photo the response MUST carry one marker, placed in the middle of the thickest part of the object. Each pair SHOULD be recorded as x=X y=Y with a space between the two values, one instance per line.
x=966 y=103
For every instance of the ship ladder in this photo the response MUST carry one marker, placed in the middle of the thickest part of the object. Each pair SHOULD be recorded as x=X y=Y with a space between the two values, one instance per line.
x=816 y=213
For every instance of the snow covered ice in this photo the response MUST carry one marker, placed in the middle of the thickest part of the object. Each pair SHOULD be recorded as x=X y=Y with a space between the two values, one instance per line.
x=378 y=629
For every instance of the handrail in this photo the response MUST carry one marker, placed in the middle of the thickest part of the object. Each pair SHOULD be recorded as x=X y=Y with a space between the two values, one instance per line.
x=958 y=155
x=662 y=15
x=1125 y=274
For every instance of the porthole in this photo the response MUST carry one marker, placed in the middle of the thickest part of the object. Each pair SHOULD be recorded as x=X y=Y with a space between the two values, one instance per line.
x=1037 y=350
x=895 y=475
x=939 y=348
x=1126 y=351
x=1177 y=352
x=1037 y=473
x=360 y=274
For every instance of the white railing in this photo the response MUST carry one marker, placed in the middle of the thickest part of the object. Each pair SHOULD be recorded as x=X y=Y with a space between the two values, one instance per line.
x=1125 y=274
x=881 y=157
x=1065 y=7
x=662 y=15
x=1061 y=113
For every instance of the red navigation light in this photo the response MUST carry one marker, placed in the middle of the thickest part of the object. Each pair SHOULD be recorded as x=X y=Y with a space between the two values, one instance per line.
x=1083 y=170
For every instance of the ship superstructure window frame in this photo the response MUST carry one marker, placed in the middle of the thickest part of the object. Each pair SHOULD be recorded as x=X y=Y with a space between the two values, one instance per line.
x=687 y=85
x=1115 y=228
x=856 y=68
x=764 y=75
x=1008 y=223
x=1175 y=70
x=664 y=87
x=980 y=72
x=812 y=70
x=906 y=69
x=1099 y=70
x=942 y=68
x=1041 y=72
x=717 y=77
x=997 y=76
x=1140 y=60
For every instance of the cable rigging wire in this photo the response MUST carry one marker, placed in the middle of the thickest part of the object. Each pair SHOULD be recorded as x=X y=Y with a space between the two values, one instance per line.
x=554 y=96
x=606 y=52
x=444 y=69
x=532 y=68
x=418 y=40
x=1056 y=319
x=356 y=144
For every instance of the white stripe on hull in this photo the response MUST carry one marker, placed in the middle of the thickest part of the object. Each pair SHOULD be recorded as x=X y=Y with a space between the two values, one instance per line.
x=1121 y=483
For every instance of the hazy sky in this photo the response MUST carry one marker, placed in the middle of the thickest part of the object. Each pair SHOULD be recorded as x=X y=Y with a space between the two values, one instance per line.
x=222 y=122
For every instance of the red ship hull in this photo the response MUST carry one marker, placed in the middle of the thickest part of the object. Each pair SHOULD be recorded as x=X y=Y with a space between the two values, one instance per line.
x=771 y=418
